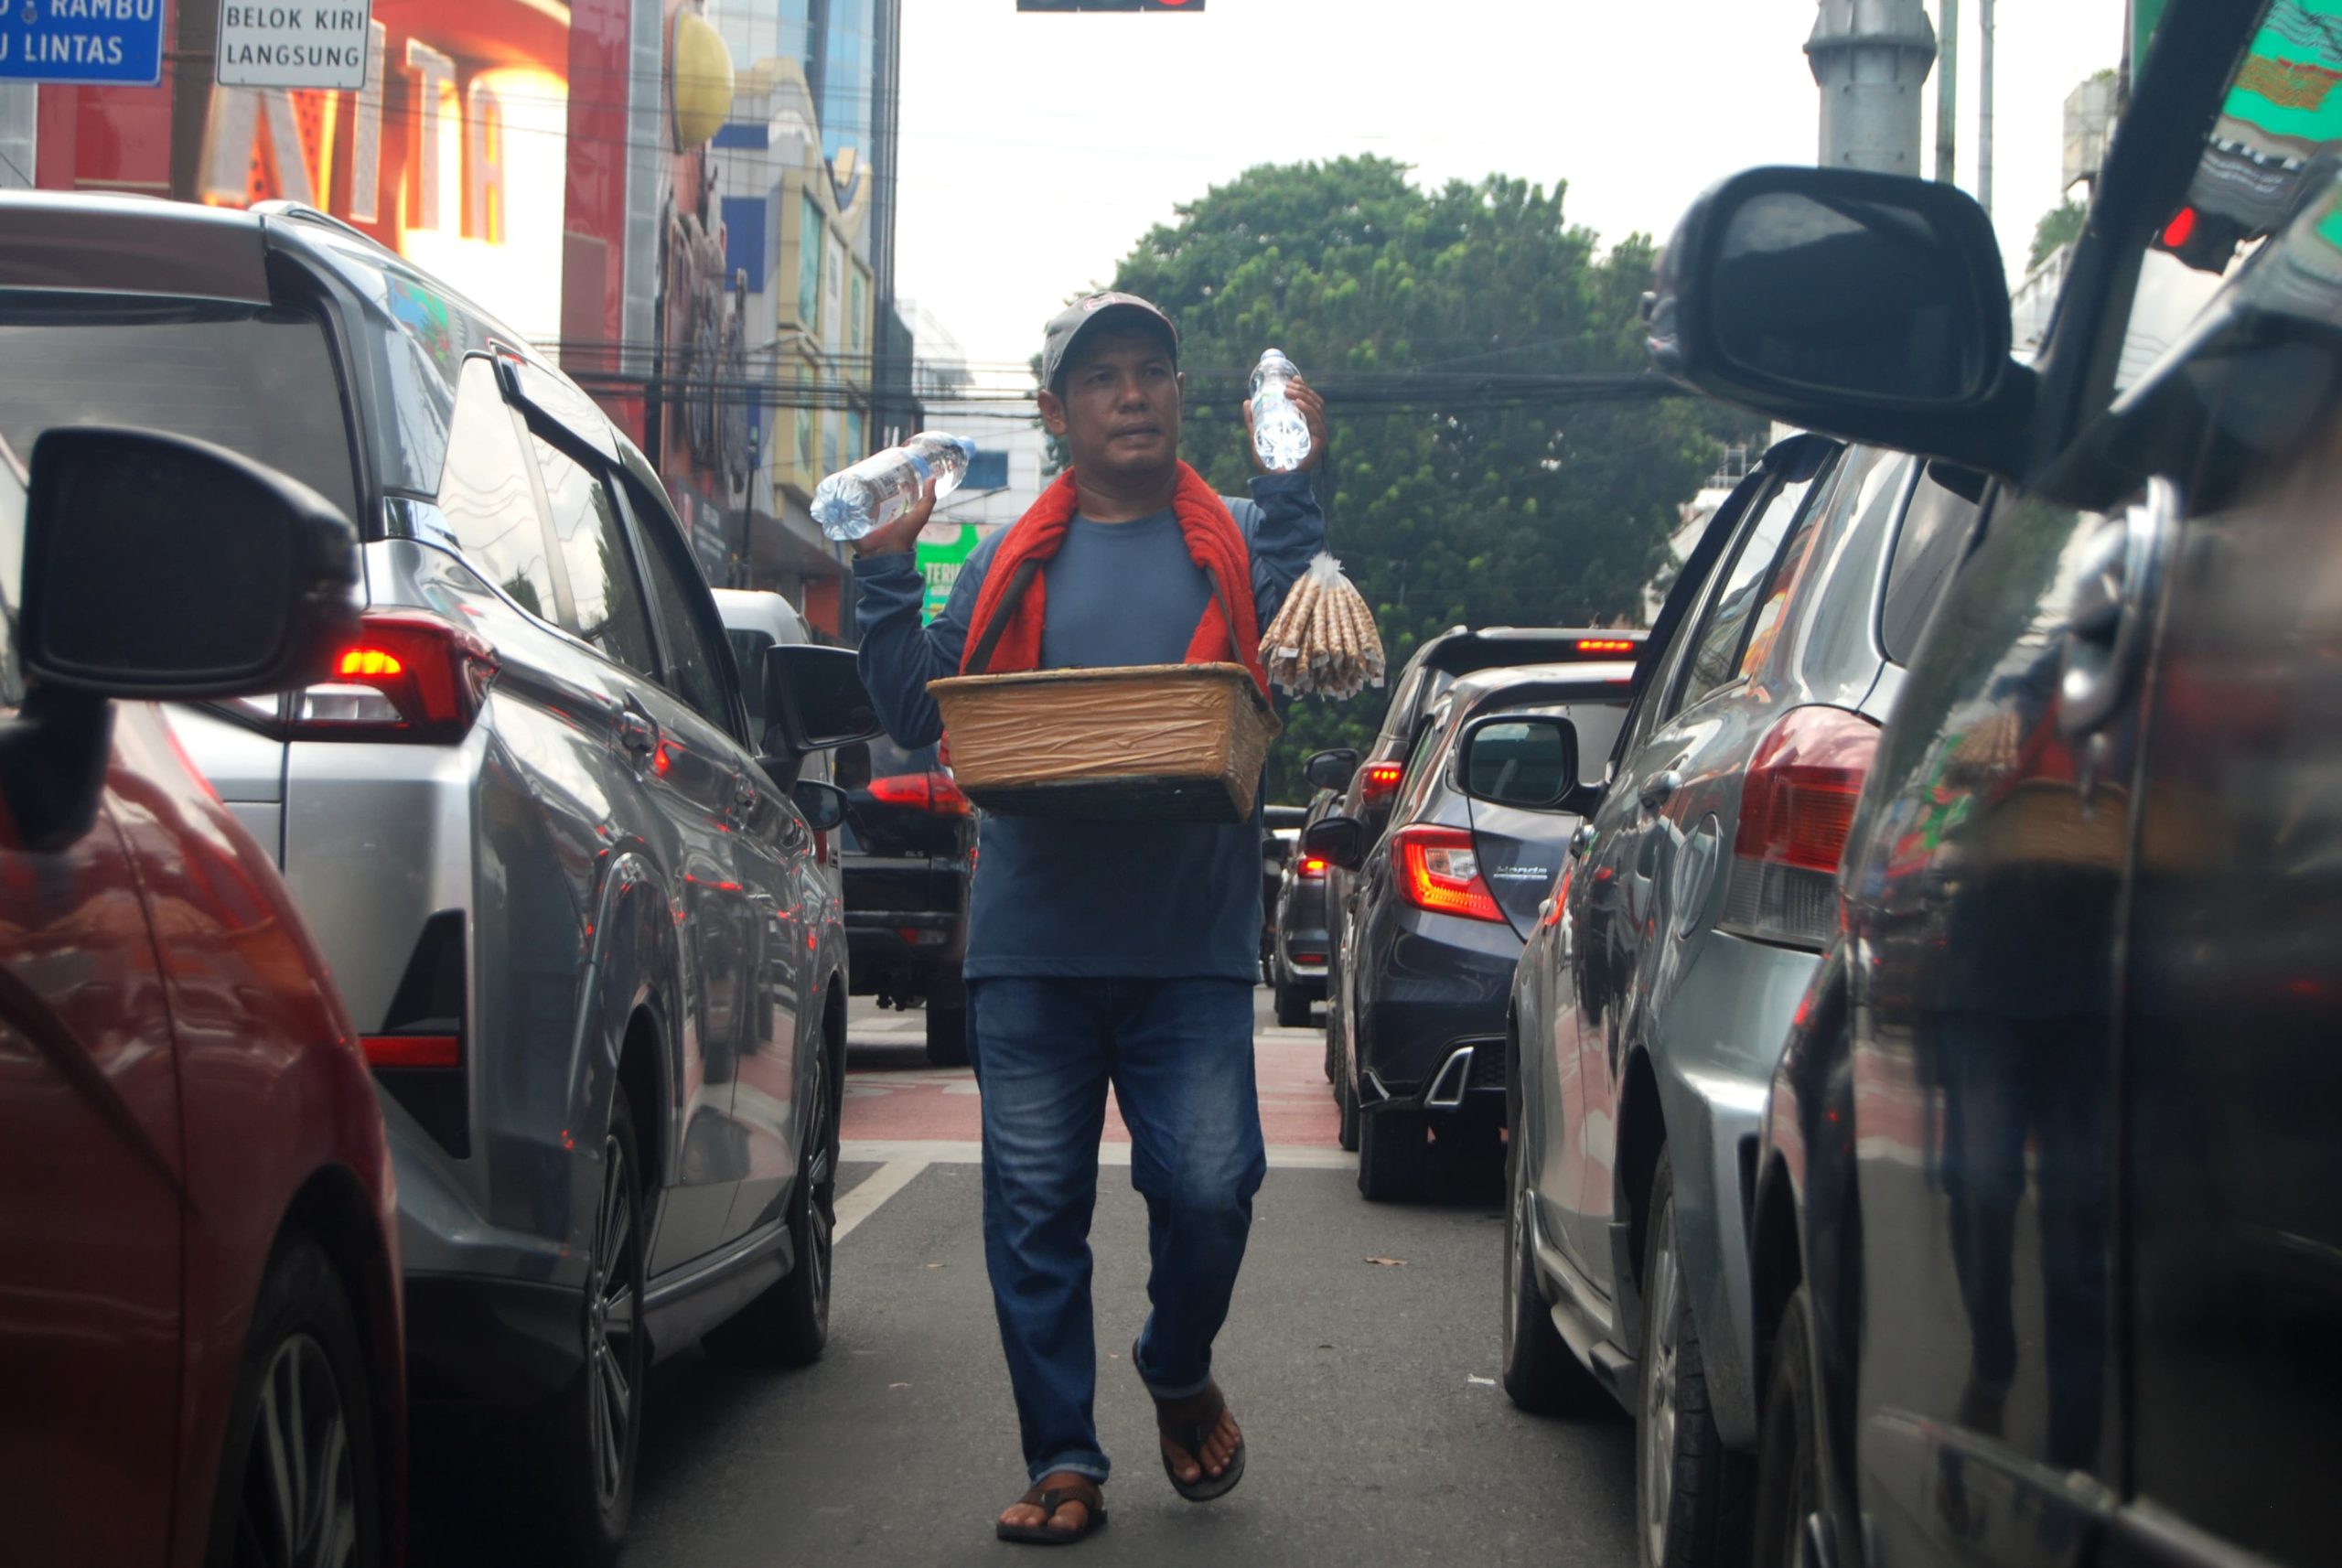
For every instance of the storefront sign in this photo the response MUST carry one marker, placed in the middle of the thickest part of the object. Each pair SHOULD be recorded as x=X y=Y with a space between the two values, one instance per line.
x=113 y=41
x=941 y=563
x=291 y=44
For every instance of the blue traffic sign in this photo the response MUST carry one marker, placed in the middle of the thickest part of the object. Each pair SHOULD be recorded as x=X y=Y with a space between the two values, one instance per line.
x=117 y=41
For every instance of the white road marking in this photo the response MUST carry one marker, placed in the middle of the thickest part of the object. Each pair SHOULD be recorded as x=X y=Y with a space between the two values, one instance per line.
x=968 y=1152
x=882 y=1184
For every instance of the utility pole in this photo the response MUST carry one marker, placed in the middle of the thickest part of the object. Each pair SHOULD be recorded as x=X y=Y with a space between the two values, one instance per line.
x=1870 y=59
x=1948 y=93
x=1984 y=104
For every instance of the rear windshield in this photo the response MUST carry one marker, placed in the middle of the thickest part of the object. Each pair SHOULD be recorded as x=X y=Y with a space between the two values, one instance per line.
x=257 y=381
x=887 y=759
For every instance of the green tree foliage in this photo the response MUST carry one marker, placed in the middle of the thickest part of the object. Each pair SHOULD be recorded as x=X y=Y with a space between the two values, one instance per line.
x=2060 y=226
x=1535 y=516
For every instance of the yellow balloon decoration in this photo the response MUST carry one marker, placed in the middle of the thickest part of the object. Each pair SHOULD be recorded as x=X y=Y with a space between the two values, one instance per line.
x=699 y=70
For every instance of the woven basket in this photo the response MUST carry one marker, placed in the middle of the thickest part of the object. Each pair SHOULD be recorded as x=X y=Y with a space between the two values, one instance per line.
x=1155 y=743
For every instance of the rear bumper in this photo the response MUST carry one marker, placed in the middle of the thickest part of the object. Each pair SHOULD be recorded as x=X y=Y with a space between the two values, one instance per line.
x=502 y=1342
x=908 y=955
x=1431 y=1015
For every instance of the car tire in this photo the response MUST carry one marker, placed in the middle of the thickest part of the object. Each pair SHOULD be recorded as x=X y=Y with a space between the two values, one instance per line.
x=947 y=1034
x=789 y=1325
x=1691 y=1492
x=590 y=1435
x=1788 y=1454
x=1537 y=1369
x=1392 y=1149
x=299 y=1442
x=1294 y=1007
x=1346 y=1106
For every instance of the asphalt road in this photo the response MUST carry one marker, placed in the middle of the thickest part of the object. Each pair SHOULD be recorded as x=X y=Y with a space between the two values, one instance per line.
x=1360 y=1357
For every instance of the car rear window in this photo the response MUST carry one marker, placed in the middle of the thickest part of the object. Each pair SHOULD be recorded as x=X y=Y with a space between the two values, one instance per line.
x=887 y=759
x=1934 y=534
x=260 y=382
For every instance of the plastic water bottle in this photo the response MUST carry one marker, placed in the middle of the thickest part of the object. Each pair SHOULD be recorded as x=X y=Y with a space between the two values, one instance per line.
x=1279 y=433
x=883 y=486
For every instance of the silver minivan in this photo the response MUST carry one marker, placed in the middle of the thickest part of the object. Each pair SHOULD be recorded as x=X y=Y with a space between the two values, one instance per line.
x=576 y=914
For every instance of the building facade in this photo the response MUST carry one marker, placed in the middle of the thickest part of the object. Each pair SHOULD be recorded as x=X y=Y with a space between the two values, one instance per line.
x=688 y=202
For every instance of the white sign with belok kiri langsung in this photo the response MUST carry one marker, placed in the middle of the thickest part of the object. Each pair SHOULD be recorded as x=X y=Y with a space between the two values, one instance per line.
x=270 y=45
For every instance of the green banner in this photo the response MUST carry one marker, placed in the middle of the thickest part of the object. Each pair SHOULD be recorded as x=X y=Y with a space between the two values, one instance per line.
x=940 y=565
x=2144 y=16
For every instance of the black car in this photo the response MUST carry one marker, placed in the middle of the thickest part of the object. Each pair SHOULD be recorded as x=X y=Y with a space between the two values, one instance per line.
x=1299 y=938
x=1368 y=786
x=1280 y=829
x=1442 y=901
x=2049 y=1200
x=908 y=852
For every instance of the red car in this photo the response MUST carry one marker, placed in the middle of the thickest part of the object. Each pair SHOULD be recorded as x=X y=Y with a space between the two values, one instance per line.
x=200 y=1344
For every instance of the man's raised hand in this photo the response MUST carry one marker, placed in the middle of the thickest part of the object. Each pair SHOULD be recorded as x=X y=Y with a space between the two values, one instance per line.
x=901 y=534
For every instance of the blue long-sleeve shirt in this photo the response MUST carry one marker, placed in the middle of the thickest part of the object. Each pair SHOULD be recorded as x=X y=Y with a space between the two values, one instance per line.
x=1062 y=896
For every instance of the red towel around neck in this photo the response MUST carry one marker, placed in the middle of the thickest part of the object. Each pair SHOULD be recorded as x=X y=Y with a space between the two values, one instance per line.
x=1214 y=543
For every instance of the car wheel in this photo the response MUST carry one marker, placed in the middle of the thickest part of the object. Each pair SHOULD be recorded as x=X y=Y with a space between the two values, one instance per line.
x=1294 y=1007
x=594 y=1430
x=1690 y=1493
x=789 y=1325
x=1345 y=1099
x=947 y=1034
x=1538 y=1369
x=298 y=1482
x=1788 y=1456
x=1392 y=1146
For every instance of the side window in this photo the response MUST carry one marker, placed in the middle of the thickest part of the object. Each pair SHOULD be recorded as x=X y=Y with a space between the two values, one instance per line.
x=694 y=663
x=1421 y=763
x=1740 y=589
x=486 y=496
x=748 y=658
x=1934 y=534
x=606 y=602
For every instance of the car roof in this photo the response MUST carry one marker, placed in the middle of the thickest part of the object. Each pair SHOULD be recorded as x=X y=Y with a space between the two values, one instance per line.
x=759 y=609
x=1608 y=681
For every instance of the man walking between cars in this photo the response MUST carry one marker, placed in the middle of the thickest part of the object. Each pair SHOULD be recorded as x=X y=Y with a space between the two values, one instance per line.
x=1108 y=951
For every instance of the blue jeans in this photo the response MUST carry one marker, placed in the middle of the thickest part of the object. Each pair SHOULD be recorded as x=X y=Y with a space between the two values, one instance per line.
x=1179 y=1055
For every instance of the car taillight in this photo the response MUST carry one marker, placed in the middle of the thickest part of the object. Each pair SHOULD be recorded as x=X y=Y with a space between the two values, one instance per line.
x=1440 y=871
x=1381 y=782
x=1313 y=869
x=921 y=792
x=1607 y=645
x=404 y=677
x=1796 y=808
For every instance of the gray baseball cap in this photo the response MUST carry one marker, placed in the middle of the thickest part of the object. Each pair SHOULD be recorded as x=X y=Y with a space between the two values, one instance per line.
x=1067 y=326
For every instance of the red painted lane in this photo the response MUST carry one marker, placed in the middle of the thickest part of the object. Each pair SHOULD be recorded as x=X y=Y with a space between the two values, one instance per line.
x=891 y=1092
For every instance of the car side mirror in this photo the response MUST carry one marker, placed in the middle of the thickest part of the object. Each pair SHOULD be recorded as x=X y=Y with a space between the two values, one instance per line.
x=821 y=805
x=157 y=566
x=1528 y=761
x=815 y=697
x=241 y=581
x=1331 y=770
x=1341 y=840
x=850 y=766
x=1868 y=306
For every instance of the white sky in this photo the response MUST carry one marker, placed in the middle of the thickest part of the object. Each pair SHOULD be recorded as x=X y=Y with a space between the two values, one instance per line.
x=1038 y=149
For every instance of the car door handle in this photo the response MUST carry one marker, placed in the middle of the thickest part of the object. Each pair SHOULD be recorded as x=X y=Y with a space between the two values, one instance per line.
x=1659 y=790
x=637 y=733
x=2110 y=625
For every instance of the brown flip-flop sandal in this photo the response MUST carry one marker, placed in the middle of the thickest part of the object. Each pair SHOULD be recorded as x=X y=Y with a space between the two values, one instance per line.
x=1189 y=1431
x=1049 y=1499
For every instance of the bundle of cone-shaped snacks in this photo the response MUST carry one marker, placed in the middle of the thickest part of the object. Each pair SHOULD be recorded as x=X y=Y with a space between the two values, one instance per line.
x=1324 y=640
